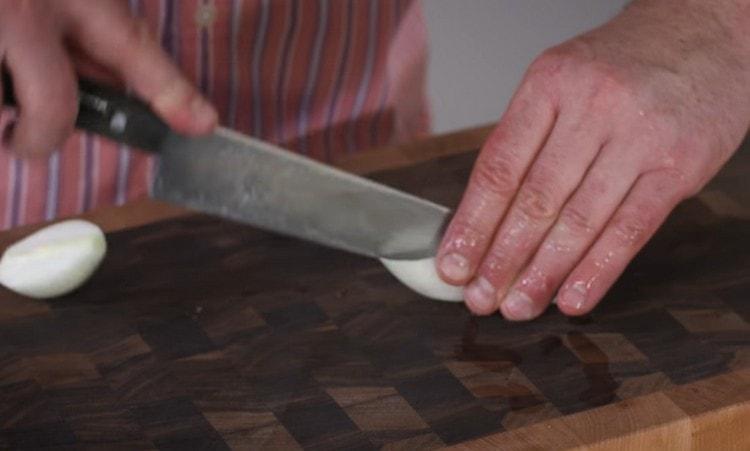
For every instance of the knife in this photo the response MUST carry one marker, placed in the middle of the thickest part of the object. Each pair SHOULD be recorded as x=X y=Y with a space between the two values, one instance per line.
x=251 y=181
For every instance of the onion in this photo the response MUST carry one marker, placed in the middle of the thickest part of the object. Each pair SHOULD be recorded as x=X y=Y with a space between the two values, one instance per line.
x=421 y=276
x=54 y=260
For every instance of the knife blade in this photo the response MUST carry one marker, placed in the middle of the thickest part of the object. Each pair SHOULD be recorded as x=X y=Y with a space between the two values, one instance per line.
x=248 y=180
x=251 y=181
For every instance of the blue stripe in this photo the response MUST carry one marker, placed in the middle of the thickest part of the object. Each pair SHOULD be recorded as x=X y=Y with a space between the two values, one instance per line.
x=15 y=210
x=53 y=186
x=123 y=172
x=258 y=49
x=88 y=172
x=312 y=78
x=364 y=85
x=339 y=80
x=280 y=93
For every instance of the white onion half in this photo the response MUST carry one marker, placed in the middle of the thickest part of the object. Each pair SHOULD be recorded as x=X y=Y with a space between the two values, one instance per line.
x=422 y=276
x=54 y=260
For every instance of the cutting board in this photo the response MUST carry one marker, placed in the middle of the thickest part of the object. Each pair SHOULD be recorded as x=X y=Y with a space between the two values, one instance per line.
x=200 y=333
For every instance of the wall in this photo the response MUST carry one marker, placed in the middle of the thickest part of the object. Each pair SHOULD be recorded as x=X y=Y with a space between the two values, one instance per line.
x=480 y=50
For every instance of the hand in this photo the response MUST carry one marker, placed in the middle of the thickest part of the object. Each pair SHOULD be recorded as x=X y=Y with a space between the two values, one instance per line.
x=605 y=136
x=45 y=42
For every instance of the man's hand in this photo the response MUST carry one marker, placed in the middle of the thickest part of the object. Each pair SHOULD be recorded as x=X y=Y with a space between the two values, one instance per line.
x=605 y=136
x=45 y=42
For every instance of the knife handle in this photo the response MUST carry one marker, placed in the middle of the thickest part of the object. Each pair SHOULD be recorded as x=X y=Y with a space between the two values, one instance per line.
x=109 y=112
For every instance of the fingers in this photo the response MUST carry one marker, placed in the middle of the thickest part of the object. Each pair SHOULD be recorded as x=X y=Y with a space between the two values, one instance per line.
x=497 y=174
x=44 y=87
x=579 y=224
x=111 y=37
x=646 y=207
x=554 y=175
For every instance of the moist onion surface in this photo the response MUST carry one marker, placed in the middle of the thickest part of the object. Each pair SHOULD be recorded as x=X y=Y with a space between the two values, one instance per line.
x=422 y=277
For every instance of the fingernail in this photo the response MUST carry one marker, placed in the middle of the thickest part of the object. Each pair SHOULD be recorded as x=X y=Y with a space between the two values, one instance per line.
x=518 y=306
x=481 y=295
x=455 y=267
x=574 y=297
x=204 y=114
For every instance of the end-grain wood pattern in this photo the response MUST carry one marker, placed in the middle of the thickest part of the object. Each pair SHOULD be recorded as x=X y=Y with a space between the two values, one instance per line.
x=199 y=333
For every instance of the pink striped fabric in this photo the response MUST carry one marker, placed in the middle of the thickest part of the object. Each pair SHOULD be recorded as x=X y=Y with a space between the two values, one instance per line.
x=321 y=77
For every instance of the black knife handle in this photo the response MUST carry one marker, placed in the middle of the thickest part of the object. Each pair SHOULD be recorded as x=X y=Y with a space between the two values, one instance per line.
x=111 y=113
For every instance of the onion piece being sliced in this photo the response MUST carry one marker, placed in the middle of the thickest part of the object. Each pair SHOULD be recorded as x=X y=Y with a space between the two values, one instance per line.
x=422 y=276
x=54 y=260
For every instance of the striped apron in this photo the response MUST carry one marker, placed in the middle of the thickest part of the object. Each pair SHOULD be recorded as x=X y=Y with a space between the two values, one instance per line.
x=321 y=77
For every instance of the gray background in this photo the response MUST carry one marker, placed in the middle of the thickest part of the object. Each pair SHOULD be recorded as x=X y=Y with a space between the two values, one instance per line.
x=480 y=50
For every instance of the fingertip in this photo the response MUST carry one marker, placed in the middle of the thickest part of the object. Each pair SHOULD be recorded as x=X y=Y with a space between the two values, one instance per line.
x=454 y=268
x=481 y=297
x=573 y=299
x=518 y=306
x=185 y=110
x=203 y=115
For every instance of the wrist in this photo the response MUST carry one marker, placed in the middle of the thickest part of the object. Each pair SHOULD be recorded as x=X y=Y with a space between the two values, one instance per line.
x=727 y=21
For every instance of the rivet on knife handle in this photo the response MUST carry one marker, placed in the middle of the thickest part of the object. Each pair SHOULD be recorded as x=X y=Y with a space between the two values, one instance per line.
x=111 y=113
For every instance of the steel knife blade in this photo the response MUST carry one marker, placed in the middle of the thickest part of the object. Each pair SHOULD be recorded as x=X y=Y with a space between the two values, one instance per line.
x=248 y=180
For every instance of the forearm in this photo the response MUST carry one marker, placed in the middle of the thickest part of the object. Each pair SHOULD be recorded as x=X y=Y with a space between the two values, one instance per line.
x=725 y=21
x=693 y=43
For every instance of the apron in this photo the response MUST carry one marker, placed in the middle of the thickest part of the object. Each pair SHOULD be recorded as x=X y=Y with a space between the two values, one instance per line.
x=320 y=77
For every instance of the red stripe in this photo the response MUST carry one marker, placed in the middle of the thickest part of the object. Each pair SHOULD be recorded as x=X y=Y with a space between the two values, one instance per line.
x=107 y=173
x=353 y=76
x=70 y=175
x=220 y=39
x=36 y=190
x=5 y=165
x=333 y=45
x=150 y=10
x=298 y=70
x=188 y=39
x=384 y=32
x=139 y=170
x=246 y=36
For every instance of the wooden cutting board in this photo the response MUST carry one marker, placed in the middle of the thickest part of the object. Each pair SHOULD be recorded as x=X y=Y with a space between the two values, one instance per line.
x=199 y=333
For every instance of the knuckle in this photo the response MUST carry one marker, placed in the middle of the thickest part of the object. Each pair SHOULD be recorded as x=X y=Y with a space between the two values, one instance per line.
x=537 y=281
x=631 y=230
x=496 y=175
x=574 y=220
x=608 y=87
x=690 y=186
x=677 y=184
x=547 y=65
x=536 y=202
x=665 y=130
x=464 y=235
x=495 y=263
x=545 y=71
